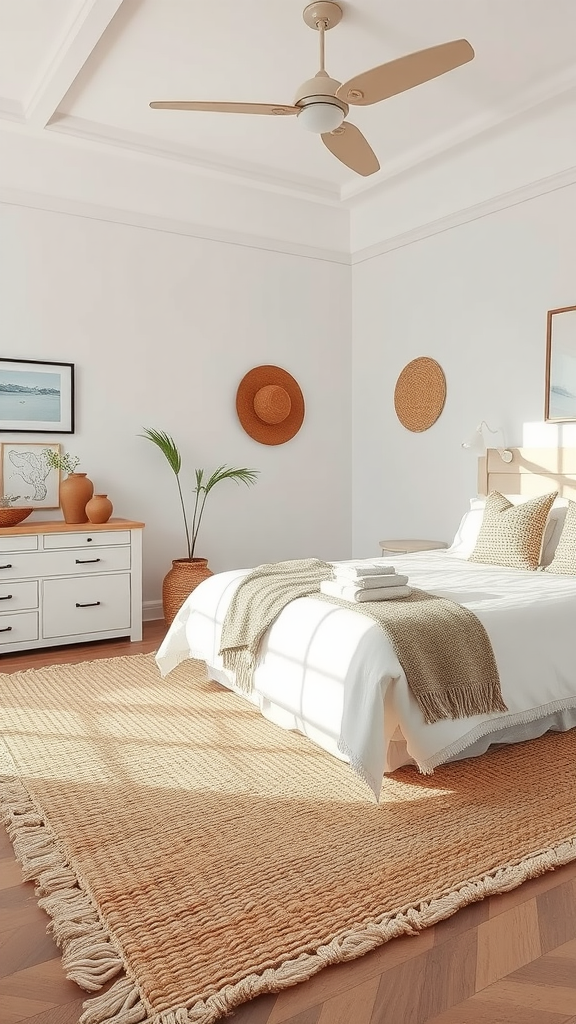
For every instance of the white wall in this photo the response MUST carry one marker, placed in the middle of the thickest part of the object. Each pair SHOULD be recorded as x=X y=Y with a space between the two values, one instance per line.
x=161 y=328
x=474 y=298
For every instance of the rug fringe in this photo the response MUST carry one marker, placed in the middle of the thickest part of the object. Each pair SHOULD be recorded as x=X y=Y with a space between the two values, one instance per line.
x=121 y=1002
x=88 y=956
x=90 y=959
x=409 y=921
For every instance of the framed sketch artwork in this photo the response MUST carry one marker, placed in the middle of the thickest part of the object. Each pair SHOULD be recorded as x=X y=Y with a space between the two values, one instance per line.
x=561 y=365
x=36 y=397
x=26 y=473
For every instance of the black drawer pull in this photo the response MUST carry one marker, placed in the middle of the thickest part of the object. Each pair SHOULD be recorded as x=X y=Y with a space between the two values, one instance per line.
x=9 y=566
x=84 y=561
x=7 y=597
x=6 y=629
x=92 y=604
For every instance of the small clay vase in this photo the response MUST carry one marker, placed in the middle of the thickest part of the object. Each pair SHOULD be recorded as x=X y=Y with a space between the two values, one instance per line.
x=75 y=491
x=99 y=508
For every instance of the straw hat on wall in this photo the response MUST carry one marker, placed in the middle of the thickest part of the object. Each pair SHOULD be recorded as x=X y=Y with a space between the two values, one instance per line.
x=270 y=404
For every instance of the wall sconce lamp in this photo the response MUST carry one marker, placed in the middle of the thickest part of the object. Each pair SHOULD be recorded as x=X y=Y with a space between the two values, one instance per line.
x=478 y=441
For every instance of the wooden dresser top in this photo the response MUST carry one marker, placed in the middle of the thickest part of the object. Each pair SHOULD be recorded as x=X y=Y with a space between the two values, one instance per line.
x=59 y=526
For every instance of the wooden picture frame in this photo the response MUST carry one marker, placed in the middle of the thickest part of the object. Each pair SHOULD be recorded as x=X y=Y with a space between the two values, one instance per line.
x=36 y=397
x=560 y=402
x=25 y=474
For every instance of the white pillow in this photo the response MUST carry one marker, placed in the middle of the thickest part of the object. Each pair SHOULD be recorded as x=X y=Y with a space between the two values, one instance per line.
x=467 y=533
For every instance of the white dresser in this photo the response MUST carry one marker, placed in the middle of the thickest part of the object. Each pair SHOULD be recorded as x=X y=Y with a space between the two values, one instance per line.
x=62 y=584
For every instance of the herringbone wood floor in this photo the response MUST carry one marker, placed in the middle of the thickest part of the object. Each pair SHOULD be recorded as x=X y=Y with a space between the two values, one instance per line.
x=507 y=960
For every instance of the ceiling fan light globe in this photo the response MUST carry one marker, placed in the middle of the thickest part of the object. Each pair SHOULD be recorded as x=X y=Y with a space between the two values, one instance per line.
x=321 y=117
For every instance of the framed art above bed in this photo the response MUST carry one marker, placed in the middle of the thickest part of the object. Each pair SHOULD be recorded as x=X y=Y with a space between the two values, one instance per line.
x=560 y=405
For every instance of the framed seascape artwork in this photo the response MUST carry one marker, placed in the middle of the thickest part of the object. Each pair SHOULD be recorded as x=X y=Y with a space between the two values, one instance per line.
x=25 y=473
x=561 y=365
x=36 y=397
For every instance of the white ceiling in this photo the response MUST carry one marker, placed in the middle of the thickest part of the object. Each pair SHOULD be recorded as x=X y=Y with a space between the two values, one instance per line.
x=90 y=67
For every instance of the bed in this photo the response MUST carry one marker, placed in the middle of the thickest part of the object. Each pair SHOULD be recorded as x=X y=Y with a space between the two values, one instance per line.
x=332 y=673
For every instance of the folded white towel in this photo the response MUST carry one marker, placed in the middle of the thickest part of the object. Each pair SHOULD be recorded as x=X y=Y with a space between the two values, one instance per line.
x=372 y=582
x=357 y=594
x=357 y=570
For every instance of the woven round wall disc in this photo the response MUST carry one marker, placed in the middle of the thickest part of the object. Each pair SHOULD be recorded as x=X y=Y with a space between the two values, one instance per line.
x=420 y=393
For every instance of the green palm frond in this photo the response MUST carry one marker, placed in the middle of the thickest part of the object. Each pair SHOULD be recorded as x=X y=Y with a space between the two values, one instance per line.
x=169 y=449
x=245 y=476
x=167 y=446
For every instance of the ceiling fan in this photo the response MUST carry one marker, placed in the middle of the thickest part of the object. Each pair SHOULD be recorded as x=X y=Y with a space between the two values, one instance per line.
x=322 y=103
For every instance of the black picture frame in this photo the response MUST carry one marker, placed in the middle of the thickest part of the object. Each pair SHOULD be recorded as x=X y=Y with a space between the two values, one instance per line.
x=36 y=396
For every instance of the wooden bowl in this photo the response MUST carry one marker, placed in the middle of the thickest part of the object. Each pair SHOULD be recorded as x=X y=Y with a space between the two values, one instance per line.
x=13 y=516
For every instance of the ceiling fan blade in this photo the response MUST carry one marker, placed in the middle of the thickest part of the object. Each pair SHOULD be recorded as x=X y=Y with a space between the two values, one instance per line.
x=404 y=73
x=349 y=146
x=226 y=108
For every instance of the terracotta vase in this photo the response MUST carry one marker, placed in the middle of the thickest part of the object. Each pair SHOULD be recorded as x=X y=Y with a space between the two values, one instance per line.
x=180 y=581
x=99 y=508
x=75 y=492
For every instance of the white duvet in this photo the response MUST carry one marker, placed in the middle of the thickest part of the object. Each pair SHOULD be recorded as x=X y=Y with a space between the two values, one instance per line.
x=332 y=672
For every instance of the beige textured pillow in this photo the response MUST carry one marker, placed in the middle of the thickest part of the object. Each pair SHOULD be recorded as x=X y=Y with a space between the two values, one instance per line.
x=512 y=534
x=564 y=561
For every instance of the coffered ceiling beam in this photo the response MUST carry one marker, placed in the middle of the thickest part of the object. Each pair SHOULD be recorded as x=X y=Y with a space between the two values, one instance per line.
x=77 y=42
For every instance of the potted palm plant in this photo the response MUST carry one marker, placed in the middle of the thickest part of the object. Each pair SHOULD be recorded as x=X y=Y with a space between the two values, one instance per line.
x=187 y=573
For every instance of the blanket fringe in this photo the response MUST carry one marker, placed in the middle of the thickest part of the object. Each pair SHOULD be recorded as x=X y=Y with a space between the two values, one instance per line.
x=242 y=663
x=460 y=702
x=90 y=958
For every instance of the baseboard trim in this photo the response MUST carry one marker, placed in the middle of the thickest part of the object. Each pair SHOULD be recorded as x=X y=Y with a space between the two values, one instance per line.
x=152 y=610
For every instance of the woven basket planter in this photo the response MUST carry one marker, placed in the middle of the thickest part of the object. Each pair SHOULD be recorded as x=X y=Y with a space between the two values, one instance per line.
x=13 y=516
x=180 y=581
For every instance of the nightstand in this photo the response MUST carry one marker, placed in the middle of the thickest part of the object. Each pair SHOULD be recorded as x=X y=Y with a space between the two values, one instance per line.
x=404 y=547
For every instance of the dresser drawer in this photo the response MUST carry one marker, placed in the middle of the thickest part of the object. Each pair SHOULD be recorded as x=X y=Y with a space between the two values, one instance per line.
x=16 y=597
x=73 y=562
x=25 y=543
x=18 y=629
x=94 y=605
x=94 y=539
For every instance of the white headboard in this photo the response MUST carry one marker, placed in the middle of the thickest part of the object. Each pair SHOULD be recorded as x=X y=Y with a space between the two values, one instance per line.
x=532 y=471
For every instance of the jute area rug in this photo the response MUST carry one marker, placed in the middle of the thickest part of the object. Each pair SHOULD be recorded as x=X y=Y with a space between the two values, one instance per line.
x=177 y=836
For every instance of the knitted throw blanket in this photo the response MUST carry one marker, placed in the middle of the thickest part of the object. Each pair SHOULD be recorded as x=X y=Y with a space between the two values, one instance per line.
x=258 y=601
x=443 y=648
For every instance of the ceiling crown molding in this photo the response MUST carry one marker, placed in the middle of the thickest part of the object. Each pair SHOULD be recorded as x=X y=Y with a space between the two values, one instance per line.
x=523 y=194
x=150 y=222
x=236 y=171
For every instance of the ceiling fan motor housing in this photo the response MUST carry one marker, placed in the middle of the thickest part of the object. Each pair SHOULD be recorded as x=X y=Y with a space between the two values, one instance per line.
x=320 y=89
